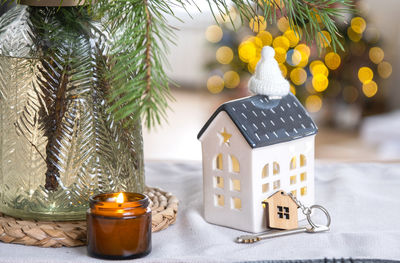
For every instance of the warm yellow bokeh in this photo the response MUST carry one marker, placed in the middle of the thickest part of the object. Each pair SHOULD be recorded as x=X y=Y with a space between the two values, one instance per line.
x=214 y=34
x=283 y=69
x=332 y=60
x=215 y=84
x=265 y=37
x=252 y=64
x=369 y=88
x=258 y=24
x=281 y=42
x=358 y=25
x=384 y=69
x=303 y=48
x=231 y=79
x=313 y=103
x=297 y=58
x=283 y=24
x=324 y=38
x=280 y=54
x=247 y=51
x=303 y=62
x=292 y=36
x=224 y=55
x=376 y=55
x=320 y=82
x=298 y=76
x=318 y=67
x=365 y=74
x=354 y=36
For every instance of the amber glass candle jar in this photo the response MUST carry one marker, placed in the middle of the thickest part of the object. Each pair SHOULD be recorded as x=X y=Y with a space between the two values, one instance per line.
x=119 y=226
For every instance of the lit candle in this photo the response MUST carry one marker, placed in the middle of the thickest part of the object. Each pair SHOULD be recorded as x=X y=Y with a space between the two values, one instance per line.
x=119 y=226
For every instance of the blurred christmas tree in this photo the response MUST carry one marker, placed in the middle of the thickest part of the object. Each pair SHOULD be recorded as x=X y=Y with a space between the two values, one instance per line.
x=346 y=83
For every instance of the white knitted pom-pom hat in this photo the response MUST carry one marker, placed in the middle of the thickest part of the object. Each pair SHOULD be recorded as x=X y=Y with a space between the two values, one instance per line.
x=268 y=79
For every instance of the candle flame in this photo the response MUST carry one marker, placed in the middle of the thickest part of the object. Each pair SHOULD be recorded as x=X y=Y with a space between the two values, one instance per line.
x=120 y=198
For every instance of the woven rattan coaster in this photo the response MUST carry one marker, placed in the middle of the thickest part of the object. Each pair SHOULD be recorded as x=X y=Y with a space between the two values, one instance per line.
x=73 y=233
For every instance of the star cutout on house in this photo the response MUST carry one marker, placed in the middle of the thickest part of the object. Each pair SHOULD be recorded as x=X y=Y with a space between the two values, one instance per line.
x=226 y=136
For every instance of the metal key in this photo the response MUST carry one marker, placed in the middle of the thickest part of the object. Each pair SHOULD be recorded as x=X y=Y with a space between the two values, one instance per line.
x=271 y=234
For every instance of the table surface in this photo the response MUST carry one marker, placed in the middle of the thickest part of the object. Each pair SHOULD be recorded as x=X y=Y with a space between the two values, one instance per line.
x=363 y=200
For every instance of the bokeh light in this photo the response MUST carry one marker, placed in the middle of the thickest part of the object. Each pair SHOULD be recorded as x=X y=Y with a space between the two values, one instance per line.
x=294 y=57
x=303 y=48
x=280 y=54
x=320 y=82
x=376 y=55
x=369 y=88
x=318 y=67
x=298 y=76
x=252 y=64
x=247 y=51
x=365 y=74
x=283 y=24
x=283 y=69
x=384 y=69
x=231 y=79
x=358 y=24
x=224 y=55
x=214 y=34
x=292 y=36
x=324 y=38
x=313 y=103
x=215 y=84
x=281 y=42
x=265 y=37
x=332 y=60
x=258 y=24
x=354 y=36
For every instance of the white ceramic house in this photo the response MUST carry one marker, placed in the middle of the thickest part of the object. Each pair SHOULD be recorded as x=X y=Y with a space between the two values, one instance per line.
x=253 y=147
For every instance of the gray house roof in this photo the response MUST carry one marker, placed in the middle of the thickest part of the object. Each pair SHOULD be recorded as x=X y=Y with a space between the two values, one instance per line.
x=263 y=121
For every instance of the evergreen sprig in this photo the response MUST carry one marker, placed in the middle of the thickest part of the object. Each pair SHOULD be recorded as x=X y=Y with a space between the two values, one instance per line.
x=140 y=84
x=140 y=34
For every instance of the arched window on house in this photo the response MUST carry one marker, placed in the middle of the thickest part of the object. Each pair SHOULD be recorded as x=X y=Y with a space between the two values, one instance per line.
x=303 y=160
x=277 y=170
x=265 y=171
x=218 y=162
x=293 y=163
x=235 y=166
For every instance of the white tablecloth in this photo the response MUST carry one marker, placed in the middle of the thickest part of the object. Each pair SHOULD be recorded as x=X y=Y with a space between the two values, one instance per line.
x=363 y=200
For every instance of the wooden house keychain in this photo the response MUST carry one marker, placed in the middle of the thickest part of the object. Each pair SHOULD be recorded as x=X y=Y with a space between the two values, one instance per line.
x=282 y=214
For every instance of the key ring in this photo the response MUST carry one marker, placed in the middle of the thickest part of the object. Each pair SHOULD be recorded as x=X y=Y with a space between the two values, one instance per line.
x=323 y=209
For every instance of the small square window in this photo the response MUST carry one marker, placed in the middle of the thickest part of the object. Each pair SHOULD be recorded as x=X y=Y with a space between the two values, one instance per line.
x=236 y=203
x=303 y=190
x=303 y=177
x=294 y=193
x=277 y=184
x=293 y=179
x=265 y=188
x=220 y=200
x=283 y=212
x=236 y=185
x=219 y=182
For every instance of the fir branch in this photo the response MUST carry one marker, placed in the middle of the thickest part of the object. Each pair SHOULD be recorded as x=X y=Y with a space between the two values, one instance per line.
x=140 y=34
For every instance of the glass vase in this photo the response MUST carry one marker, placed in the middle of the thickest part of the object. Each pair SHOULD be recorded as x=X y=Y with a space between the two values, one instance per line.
x=58 y=142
